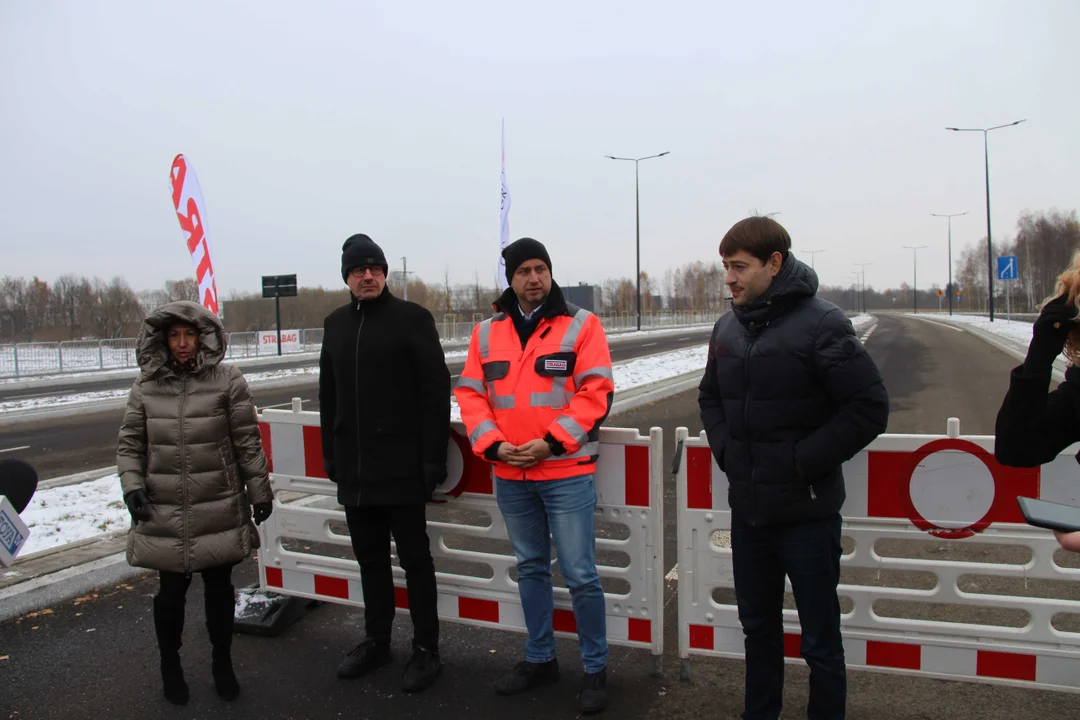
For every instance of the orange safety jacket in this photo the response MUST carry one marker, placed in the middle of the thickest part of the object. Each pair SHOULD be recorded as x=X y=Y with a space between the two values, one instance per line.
x=559 y=387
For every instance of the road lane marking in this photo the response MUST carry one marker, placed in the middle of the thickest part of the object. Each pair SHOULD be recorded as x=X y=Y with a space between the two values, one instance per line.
x=648 y=344
x=941 y=324
x=15 y=449
x=673 y=573
x=869 y=331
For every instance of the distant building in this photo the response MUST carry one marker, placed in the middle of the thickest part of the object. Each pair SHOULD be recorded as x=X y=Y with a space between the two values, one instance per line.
x=584 y=296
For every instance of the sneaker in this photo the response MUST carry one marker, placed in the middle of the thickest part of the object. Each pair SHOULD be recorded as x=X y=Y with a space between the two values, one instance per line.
x=593 y=696
x=527 y=675
x=362 y=659
x=421 y=670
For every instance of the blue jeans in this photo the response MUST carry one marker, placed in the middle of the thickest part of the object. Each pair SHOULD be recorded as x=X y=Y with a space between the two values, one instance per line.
x=537 y=512
x=809 y=554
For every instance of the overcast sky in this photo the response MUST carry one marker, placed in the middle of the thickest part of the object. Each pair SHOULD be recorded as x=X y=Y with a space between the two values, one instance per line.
x=307 y=122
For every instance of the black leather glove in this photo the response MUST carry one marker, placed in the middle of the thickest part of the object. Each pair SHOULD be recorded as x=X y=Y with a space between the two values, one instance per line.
x=434 y=475
x=1048 y=335
x=328 y=468
x=138 y=504
x=261 y=511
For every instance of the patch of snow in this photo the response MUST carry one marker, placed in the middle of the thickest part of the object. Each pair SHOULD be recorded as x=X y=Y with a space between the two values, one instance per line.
x=1017 y=331
x=75 y=512
x=251 y=603
x=862 y=321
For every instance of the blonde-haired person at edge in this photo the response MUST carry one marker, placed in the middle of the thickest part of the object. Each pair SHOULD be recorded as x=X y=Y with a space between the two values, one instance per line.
x=1033 y=425
x=192 y=468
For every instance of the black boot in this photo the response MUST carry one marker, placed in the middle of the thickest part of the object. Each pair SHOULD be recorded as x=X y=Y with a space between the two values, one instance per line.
x=593 y=697
x=220 y=611
x=169 y=625
x=421 y=670
x=527 y=675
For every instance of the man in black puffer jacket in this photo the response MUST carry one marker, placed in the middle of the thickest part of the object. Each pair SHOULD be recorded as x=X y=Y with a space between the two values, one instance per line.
x=788 y=395
x=384 y=406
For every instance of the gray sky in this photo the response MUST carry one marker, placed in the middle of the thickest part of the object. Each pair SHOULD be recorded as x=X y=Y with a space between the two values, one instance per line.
x=307 y=122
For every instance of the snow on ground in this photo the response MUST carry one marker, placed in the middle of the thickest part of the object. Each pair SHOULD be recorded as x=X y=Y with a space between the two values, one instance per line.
x=862 y=321
x=1017 y=331
x=60 y=400
x=66 y=514
x=75 y=512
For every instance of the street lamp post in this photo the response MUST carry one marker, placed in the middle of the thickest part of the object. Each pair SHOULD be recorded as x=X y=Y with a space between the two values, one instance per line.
x=637 y=216
x=951 y=290
x=915 y=272
x=862 y=267
x=405 y=278
x=812 y=253
x=989 y=242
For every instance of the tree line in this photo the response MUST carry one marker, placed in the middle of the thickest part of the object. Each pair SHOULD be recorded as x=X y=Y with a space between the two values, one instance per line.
x=73 y=307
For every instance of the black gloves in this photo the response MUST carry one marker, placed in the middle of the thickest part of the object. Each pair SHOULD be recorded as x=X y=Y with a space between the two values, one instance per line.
x=261 y=511
x=434 y=475
x=328 y=468
x=138 y=504
x=1049 y=333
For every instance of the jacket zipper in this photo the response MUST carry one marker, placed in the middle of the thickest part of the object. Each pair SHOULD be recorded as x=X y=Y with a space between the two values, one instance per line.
x=521 y=363
x=356 y=393
x=183 y=480
x=746 y=429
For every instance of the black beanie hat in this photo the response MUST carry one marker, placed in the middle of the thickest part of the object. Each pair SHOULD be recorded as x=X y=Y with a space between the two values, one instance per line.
x=521 y=250
x=361 y=250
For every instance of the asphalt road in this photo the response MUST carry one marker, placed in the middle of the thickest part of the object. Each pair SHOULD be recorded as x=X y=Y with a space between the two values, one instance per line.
x=63 y=446
x=96 y=658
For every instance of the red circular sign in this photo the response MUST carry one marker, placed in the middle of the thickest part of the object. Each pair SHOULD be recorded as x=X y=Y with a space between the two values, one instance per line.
x=908 y=469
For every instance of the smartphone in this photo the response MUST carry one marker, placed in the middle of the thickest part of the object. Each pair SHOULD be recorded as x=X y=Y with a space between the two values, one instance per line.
x=1052 y=516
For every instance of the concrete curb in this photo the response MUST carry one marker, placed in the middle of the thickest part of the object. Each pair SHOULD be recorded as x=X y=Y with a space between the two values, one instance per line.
x=64 y=585
x=76 y=478
x=69 y=582
x=659 y=390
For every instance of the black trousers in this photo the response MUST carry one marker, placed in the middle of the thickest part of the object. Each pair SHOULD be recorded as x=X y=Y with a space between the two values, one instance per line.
x=371 y=529
x=217 y=581
x=169 y=610
x=808 y=553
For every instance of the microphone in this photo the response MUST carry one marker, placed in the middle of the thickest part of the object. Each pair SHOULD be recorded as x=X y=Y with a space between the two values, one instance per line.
x=18 y=482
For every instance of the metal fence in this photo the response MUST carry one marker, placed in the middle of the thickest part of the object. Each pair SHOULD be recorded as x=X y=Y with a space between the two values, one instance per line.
x=55 y=358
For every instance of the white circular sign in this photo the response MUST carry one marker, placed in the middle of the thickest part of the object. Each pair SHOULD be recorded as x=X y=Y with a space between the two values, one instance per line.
x=952 y=489
x=455 y=467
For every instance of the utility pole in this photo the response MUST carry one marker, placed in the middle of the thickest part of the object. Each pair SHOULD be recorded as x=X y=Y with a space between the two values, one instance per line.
x=405 y=273
x=915 y=275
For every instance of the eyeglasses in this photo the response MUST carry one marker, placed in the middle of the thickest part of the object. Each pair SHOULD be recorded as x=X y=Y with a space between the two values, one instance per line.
x=375 y=270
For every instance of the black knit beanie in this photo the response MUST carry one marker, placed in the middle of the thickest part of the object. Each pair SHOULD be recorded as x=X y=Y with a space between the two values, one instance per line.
x=361 y=250
x=521 y=250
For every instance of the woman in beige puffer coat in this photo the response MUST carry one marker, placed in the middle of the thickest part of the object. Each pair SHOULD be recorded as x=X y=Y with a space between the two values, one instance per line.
x=192 y=468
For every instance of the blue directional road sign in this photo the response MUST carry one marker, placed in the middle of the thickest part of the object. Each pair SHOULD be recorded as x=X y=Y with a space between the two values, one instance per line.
x=1007 y=267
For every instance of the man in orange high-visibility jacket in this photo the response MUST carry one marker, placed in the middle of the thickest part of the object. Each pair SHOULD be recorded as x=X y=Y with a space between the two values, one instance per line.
x=536 y=387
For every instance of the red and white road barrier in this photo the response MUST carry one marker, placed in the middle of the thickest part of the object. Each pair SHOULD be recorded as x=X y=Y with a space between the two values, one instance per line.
x=630 y=494
x=944 y=489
